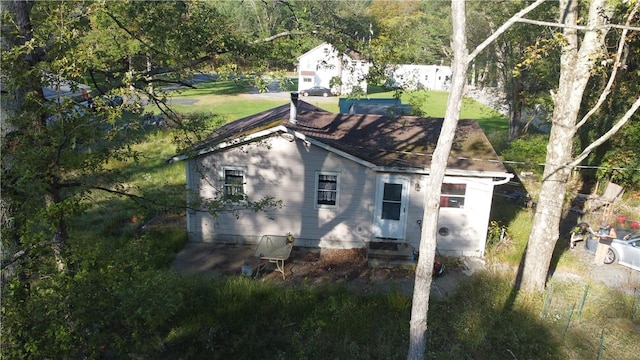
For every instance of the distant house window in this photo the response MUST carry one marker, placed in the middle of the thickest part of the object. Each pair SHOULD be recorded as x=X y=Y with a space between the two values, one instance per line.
x=453 y=195
x=233 y=182
x=327 y=188
x=307 y=80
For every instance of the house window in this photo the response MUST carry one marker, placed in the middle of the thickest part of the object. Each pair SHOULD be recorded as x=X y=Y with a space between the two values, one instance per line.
x=453 y=195
x=234 y=182
x=306 y=80
x=327 y=187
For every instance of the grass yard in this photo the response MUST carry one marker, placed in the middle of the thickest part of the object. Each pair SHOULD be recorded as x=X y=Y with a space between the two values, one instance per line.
x=226 y=98
x=127 y=303
x=231 y=107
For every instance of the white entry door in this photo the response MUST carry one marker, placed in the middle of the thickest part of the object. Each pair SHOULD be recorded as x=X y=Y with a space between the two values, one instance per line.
x=391 y=206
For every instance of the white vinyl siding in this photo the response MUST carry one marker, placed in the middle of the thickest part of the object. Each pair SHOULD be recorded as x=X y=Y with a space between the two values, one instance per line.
x=327 y=189
x=288 y=171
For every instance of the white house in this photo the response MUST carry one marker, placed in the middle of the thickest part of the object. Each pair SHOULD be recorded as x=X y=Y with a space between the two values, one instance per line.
x=430 y=77
x=318 y=66
x=345 y=180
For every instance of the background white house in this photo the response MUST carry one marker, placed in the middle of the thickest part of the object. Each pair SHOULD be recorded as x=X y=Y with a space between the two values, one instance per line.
x=430 y=77
x=319 y=65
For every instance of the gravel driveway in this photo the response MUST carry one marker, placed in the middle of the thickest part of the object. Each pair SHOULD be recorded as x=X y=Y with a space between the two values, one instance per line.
x=614 y=276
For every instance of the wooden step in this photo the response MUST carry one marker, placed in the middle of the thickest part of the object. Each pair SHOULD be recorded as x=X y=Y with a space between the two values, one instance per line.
x=390 y=255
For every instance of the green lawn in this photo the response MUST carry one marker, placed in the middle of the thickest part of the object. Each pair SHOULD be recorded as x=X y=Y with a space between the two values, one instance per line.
x=125 y=302
x=232 y=107
x=224 y=97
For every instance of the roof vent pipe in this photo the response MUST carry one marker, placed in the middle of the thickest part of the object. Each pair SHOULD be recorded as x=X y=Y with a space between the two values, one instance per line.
x=293 y=115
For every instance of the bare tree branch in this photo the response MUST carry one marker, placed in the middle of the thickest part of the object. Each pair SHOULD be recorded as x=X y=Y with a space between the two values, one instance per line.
x=606 y=135
x=614 y=72
x=176 y=82
x=22 y=253
x=504 y=27
x=121 y=26
x=277 y=36
x=578 y=27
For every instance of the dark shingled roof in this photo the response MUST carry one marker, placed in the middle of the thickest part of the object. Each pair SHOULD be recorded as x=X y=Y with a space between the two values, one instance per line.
x=393 y=141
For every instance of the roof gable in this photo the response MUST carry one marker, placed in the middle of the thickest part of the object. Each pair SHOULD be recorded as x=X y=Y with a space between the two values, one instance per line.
x=385 y=141
x=251 y=124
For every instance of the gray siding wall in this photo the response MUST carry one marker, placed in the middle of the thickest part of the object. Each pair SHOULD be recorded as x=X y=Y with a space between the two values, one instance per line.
x=287 y=171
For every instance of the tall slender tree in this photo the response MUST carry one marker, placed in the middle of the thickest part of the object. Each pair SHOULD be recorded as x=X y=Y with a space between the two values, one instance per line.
x=460 y=65
x=578 y=58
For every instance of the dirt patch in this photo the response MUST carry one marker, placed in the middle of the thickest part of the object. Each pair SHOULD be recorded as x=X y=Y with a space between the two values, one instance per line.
x=311 y=266
x=348 y=267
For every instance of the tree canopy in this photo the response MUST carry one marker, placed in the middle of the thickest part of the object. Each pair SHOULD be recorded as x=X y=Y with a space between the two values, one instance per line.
x=58 y=151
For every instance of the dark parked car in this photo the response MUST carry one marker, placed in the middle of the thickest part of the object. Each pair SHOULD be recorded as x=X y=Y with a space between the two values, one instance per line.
x=316 y=91
x=113 y=101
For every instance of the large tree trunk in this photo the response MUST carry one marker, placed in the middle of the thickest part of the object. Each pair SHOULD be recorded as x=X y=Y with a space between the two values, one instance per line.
x=576 y=63
x=461 y=60
x=21 y=12
x=11 y=101
x=422 y=286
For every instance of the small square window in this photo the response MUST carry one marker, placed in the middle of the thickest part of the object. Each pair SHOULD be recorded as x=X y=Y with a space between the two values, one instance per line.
x=327 y=187
x=234 y=183
x=453 y=195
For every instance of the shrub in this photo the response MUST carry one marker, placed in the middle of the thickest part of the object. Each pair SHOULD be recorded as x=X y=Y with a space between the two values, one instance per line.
x=527 y=153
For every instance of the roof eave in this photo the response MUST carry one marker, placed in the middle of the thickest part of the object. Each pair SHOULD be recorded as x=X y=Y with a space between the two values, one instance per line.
x=231 y=143
x=504 y=176
x=448 y=172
